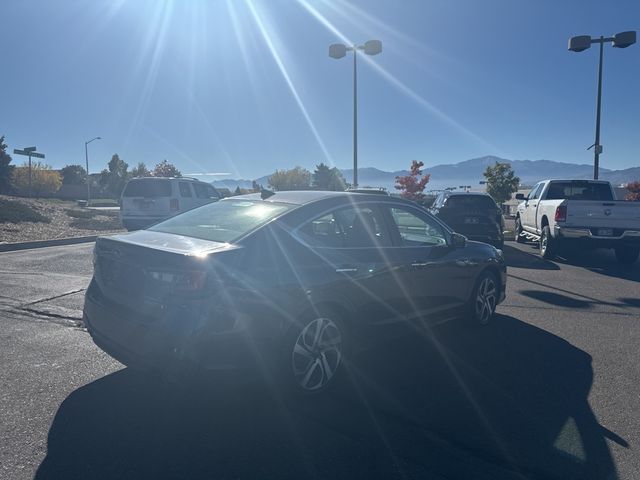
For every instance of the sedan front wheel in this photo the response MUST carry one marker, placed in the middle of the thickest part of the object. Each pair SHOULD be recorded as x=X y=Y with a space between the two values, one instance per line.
x=484 y=299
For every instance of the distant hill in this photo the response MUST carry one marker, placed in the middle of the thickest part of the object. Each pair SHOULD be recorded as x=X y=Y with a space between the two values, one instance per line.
x=469 y=172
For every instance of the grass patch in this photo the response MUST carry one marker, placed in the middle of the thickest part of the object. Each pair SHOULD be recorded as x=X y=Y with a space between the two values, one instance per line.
x=13 y=211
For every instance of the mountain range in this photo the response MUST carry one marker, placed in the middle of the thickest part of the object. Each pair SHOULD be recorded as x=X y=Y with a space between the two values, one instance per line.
x=469 y=172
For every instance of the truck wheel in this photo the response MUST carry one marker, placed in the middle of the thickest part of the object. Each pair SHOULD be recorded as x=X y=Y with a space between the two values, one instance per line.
x=627 y=255
x=518 y=231
x=547 y=244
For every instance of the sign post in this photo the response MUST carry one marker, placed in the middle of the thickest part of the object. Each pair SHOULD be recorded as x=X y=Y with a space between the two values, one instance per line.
x=29 y=152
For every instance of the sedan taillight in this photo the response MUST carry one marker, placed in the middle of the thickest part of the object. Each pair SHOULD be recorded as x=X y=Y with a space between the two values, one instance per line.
x=561 y=213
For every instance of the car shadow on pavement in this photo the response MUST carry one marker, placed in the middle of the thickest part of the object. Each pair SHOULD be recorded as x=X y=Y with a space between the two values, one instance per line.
x=454 y=401
x=518 y=259
x=556 y=299
x=602 y=261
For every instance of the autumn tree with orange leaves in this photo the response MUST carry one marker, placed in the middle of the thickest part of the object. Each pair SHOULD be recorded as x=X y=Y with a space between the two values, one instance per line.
x=412 y=185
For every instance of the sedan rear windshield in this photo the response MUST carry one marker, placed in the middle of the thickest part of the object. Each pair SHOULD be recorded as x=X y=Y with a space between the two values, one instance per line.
x=224 y=221
x=579 y=191
x=471 y=202
x=147 y=188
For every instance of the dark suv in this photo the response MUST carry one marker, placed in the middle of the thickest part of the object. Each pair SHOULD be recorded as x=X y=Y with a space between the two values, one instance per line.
x=475 y=215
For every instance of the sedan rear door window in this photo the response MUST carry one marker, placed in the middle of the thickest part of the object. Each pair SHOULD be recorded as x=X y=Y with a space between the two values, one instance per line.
x=354 y=227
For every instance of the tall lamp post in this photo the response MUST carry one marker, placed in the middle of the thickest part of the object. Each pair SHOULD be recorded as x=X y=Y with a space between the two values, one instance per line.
x=581 y=43
x=339 y=50
x=86 y=158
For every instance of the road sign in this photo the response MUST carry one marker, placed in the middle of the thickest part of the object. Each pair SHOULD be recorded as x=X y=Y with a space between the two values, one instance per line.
x=28 y=153
x=30 y=149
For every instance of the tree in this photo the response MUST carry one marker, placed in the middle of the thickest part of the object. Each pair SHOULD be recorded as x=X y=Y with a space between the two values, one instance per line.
x=116 y=176
x=74 y=175
x=325 y=178
x=255 y=187
x=237 y=191
x=6 y=170
x=140 y=170
x=634 y=192
x=166 y=169
x=44 y=180
x=412 y=185
x=501 y=182
x=297 y=178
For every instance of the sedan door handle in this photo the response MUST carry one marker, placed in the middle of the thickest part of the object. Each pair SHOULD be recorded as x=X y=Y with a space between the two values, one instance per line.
x=346 y=269
x=418 y=264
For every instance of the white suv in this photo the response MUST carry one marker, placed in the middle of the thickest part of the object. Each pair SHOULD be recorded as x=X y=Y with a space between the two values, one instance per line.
x=148 y=200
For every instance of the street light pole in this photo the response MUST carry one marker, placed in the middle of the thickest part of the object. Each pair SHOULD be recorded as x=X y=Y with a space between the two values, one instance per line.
x=597 y=148
x=355 y=118
x=580 y=44
x=338 y=50
x=86 y=158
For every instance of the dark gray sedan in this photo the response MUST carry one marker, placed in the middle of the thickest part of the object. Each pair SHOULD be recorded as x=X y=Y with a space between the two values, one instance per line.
x=287 y=282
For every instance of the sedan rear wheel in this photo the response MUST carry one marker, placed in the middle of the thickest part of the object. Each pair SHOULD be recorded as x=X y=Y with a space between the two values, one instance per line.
x=485 y=298
x=315 y=353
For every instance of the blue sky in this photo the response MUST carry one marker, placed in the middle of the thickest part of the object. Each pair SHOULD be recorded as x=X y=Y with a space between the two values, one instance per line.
x=245 y=87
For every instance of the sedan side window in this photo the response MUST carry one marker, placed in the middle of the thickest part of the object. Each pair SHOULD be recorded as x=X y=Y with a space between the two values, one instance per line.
x=355 y=227
x=417 y=231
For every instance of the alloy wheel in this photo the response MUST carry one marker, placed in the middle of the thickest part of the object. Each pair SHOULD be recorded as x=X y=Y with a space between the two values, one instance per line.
x=317 y=354
x=486 y=299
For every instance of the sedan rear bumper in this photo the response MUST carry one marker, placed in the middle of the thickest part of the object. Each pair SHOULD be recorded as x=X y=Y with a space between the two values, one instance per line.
x=176 y=340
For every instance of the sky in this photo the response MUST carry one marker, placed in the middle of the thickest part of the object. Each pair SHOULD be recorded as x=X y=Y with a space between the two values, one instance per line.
x=240 y=88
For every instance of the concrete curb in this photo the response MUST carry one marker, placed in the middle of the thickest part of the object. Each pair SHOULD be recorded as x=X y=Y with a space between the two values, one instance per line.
x=10 y=247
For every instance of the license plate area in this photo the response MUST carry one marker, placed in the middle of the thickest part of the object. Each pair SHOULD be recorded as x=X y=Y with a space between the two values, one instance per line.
x=143 y=204
x=605 y=232
x=472 y=220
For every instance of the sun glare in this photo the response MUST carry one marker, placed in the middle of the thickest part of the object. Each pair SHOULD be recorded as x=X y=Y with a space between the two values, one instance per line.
x=399 y=85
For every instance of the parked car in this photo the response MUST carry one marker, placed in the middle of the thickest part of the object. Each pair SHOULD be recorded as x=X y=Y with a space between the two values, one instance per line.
x=578 y=214
x=148 y=200
x=290 y=282
x=475 y=215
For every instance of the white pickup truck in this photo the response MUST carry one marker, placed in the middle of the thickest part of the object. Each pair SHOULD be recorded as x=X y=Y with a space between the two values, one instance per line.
x=563 y=214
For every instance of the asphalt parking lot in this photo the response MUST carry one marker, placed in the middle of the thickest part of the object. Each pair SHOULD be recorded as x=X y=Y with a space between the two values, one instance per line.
x=550 y=390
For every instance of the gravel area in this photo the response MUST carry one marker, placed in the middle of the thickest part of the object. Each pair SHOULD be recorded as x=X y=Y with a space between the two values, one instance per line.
x=62 y=224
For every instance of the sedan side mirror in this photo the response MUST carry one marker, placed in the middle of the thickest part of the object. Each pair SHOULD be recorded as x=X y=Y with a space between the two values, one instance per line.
x=520 y=196
x=458 y=241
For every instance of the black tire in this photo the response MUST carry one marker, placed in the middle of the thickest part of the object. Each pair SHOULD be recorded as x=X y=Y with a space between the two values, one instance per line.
x=313 y=353
x=518 y=231
x=484 y=298
x=548 y=244
x=627 y=255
